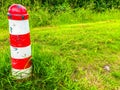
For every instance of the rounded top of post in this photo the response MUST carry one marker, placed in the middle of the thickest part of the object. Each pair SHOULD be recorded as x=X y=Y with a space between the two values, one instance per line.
x=17 y=9
x=17 y=12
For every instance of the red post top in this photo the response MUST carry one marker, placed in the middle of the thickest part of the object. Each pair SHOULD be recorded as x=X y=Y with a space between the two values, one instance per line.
x=17 y=12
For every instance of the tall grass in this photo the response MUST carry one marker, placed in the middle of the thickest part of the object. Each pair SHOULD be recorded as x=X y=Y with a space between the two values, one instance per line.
x=42 y=16
x=51 y=15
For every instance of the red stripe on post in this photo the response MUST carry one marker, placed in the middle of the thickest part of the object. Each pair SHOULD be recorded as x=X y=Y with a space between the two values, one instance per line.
x=21 y=17
x=21 y=63
x=20 y=40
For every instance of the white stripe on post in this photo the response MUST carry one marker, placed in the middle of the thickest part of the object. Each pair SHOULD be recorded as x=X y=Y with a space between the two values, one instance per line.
x=19 y=41
x=20 y=53
x=18 y=27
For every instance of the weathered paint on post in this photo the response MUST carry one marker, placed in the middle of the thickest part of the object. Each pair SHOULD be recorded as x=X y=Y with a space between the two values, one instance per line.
x=20 y=45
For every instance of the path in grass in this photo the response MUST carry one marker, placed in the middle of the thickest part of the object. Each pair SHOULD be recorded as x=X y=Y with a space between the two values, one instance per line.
x=69 y=57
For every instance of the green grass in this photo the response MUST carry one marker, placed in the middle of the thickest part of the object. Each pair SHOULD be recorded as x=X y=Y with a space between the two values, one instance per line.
x=68 y=57
x=41 y=16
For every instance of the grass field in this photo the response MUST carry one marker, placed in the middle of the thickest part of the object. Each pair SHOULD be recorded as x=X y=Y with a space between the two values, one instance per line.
x=68 y=57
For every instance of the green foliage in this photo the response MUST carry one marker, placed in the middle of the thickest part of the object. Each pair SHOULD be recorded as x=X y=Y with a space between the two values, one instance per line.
x=58 y=12
x=69 y=16
x=41 y=16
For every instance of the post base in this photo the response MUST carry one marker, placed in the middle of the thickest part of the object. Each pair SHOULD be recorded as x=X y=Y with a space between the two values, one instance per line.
x=21 y=74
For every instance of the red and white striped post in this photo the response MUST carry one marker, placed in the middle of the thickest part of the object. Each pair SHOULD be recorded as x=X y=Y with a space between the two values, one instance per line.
x=19 y=41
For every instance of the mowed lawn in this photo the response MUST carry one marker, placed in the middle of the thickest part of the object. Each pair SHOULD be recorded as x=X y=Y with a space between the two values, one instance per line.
x=68 y=57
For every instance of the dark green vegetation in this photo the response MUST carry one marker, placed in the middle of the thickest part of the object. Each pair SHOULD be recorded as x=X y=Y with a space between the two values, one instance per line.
x=99 y=5
x=77 y=40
